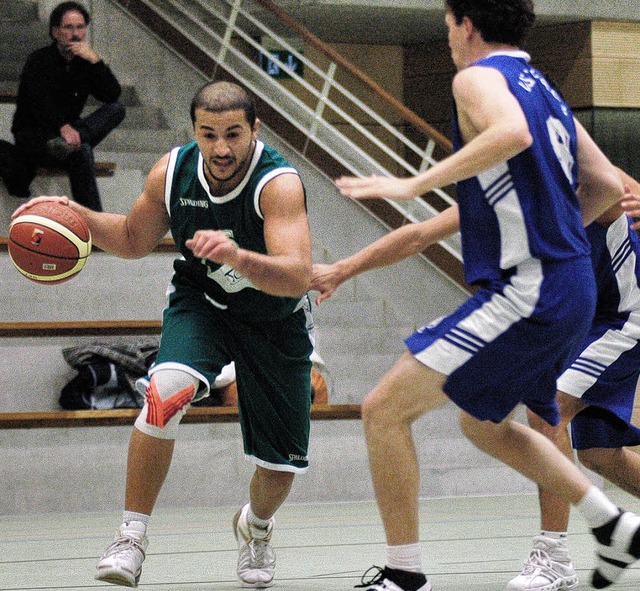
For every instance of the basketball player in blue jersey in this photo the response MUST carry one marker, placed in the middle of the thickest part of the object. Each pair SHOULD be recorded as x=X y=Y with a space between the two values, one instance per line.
x=596 y=393
x=237 y=212
x=526 y=171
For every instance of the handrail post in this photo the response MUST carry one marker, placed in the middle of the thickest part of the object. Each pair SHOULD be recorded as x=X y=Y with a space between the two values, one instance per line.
x=228 y=33
x=322 y=103
x=427 y=155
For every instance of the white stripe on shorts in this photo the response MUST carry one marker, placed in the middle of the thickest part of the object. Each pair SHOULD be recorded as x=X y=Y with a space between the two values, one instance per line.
x=486 y=323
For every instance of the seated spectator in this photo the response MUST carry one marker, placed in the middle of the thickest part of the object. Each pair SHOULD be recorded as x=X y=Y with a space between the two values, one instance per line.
x=14 y=170
x=55 y=84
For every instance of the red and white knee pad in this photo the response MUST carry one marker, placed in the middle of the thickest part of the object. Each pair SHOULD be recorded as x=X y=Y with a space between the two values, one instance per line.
x=168 y=397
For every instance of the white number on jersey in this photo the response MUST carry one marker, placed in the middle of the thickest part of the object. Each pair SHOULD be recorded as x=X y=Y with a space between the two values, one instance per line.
x=560 y=140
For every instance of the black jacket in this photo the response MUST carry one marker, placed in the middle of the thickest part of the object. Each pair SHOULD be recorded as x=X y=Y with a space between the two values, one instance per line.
x=53 y=92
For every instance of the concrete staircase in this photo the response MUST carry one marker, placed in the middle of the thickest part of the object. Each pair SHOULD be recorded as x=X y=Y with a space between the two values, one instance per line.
x=360 y=332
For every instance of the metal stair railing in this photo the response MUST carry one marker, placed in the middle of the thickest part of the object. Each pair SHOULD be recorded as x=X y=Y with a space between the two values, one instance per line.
x=330 y=104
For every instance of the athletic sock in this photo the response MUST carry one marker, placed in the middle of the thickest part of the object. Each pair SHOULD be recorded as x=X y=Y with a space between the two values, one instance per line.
x=596 y=508
x=129 y=516
x=560 y=536
x=260 y=525
x=405 y=557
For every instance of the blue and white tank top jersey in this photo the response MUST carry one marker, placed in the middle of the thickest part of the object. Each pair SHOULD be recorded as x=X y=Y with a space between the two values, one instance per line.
x=191 y=207
x=615 y=254
x=525 y=207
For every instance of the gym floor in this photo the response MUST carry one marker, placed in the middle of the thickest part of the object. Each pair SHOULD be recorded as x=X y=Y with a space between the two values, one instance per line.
x=468 y=543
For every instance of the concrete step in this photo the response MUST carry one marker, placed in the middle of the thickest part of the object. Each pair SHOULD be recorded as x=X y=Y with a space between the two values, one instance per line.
x=134 y=161
x=353 y=340
x=48 y=371
x=129 y=97
x=15 y=11
x=117 y=192
x=10 y=68
x=348 y=312
x=140 y=140
x=144 y=117
x=107 y=288
x=352 y=375
x=19 y=40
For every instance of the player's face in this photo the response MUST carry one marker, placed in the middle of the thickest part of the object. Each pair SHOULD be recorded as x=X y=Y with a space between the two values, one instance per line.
x=226 y=141
x=72 y=29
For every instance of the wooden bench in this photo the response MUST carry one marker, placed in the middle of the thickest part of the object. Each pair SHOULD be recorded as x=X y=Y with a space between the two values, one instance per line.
x=124 y=416
x=127 y=416
x=80 y=328
x=102 y=169
x=165 y=245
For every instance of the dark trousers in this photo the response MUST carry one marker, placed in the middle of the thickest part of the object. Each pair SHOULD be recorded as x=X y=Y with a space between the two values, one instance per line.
x=80 y=164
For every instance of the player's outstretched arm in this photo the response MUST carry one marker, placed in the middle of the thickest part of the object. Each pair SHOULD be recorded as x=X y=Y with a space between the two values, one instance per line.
x=493 y=127
x=378 y=186
x=391 y=248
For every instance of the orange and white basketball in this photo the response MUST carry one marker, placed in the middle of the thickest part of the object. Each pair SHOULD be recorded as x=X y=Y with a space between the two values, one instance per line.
x=49 y=242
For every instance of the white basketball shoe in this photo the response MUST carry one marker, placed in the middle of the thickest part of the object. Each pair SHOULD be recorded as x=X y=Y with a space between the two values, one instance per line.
x=547 y=568
x=121 y=563
x=256 y=559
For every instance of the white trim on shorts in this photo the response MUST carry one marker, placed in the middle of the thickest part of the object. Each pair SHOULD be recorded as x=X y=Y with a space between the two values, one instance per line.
x=486 y=323
x=276 y=467
x=587 y=368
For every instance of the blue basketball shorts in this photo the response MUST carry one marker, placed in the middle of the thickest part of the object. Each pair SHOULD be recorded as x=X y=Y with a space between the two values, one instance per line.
x=605 y=376
x=511 y=340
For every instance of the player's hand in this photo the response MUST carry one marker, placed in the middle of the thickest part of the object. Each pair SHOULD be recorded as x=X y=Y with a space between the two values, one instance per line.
x=325 y=279
x=376 y=186
x=40 y=199
x=213 y=245
x=631 y=205
x=71 y=135
x=82 y=50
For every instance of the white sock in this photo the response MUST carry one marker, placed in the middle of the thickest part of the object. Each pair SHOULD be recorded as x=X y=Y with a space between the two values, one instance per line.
x=253 y=520
x=406 y=557
x=129 y=516
x=596 y=508
x=560 y=536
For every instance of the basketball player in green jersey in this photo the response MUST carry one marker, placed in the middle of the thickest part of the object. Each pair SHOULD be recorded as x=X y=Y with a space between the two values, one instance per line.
x=237 y=212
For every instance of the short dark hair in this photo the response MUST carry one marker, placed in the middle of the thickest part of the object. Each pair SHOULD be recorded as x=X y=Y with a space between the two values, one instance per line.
x=57 y=14
x=499 y=21
x=218 y=97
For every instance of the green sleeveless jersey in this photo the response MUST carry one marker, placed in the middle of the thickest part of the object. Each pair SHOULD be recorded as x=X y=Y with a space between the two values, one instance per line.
x=191 y=207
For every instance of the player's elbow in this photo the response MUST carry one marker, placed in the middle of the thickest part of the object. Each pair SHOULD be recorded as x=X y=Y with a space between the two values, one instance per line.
x=521 y=139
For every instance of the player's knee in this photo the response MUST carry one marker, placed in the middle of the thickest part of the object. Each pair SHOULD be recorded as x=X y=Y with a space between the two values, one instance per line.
x=372 y=409
x=168 y=397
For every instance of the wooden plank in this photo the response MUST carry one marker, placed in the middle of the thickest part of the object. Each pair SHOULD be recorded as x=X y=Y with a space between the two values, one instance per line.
x=79 y=328
x=8 y=92
x=165 y=245
x=127 y=416
x=102 y=169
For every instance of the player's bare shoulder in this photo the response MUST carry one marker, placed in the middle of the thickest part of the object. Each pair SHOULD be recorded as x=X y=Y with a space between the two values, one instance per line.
x=284 y=191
